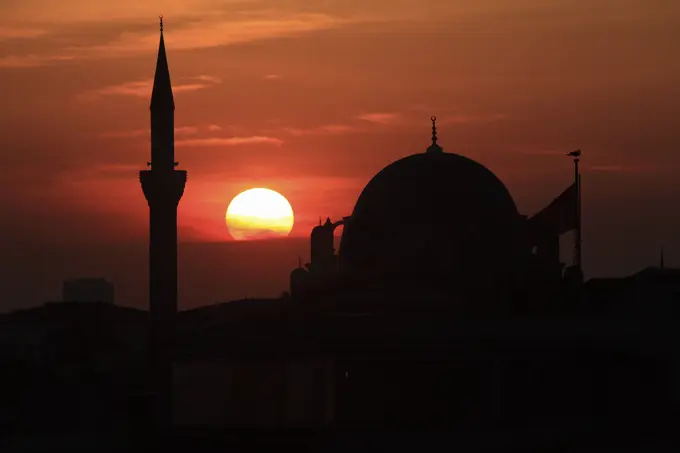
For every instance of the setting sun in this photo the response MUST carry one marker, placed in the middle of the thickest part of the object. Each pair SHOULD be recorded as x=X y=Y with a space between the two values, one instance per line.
x=259 y=213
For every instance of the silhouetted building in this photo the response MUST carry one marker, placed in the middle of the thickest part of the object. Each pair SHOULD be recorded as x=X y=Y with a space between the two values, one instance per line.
x=67 y=364
x=87 y=290
x=441 y=220
x=300 y=280
x=163 y=187
x=653 y=291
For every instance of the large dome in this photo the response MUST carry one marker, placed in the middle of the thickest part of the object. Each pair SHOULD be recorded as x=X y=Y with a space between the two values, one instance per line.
x=434 y=213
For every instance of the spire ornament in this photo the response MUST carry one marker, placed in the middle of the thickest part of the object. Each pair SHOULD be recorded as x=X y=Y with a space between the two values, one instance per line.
x=161 y=19
x=434 y=129
x=434 y=147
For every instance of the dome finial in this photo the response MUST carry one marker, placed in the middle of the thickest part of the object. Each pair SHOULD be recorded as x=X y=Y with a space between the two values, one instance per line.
x=434 y=129
x=434 y=147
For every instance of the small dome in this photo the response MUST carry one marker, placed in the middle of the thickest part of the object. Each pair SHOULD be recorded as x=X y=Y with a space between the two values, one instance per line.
x=299 y=280
x=434 y=213
x=299 y=272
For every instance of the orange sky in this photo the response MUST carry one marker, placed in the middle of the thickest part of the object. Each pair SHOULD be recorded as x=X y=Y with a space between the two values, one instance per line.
x=312 y=98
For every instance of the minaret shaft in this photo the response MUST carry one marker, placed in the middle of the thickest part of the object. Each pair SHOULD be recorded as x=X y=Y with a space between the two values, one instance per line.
x=163 y=190
x=162 y=259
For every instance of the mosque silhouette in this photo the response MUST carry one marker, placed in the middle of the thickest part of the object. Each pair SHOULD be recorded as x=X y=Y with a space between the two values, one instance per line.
x=444 y=307
x=444 y=222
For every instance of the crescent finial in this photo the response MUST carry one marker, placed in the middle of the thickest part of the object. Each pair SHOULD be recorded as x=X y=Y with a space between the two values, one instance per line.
x=434 y=129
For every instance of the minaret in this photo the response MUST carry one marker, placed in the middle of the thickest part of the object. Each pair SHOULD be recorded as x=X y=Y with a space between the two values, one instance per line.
x=163 y=187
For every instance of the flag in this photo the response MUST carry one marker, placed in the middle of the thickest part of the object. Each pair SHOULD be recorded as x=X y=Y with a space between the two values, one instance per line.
x=560 y=216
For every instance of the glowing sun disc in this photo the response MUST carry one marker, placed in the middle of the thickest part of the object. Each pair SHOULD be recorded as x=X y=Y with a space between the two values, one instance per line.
x=259 y=213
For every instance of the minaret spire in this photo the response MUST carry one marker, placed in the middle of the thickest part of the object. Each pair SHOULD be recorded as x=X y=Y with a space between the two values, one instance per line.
x=434 y=147
x=162 y=113
x=161 y=96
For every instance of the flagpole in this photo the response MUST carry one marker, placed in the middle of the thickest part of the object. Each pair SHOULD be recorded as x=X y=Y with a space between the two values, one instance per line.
x=577 y=239
x=577 y=184
x=577 y=181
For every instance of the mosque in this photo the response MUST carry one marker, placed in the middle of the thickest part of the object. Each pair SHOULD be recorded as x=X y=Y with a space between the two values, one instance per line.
x=444 y=307
x=444 y=222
